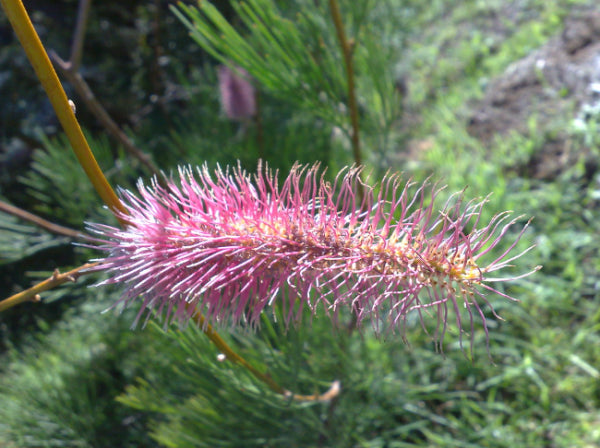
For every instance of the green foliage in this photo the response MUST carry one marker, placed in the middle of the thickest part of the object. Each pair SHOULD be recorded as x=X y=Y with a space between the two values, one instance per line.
x=293 y=60
x=60 y=390
x=201 y=402
x=295 y=57
x=18 y=240
x=210 y=403
x=204 y=135
x=57 y=178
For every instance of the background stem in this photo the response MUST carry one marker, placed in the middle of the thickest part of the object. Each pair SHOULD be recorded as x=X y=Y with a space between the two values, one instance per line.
x=349 y=64
x=83 y=13
x=40 y=222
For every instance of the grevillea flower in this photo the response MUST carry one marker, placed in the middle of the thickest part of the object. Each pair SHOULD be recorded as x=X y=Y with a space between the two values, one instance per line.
x=229 y=244
x=237 y=93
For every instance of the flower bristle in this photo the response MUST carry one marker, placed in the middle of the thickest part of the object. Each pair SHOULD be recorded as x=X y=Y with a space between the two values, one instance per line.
x=228 y=244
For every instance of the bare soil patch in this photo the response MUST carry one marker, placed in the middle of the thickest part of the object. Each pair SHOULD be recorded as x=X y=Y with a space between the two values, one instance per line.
x=554 y=85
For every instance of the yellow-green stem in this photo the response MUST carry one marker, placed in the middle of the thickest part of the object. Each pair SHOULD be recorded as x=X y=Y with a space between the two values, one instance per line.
x=32 y=294
x=234 y=357
x=265 y=378
x=17 y=15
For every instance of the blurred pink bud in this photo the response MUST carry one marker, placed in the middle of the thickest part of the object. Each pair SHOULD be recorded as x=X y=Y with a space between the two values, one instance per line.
x=237 y=93
x=229 y=244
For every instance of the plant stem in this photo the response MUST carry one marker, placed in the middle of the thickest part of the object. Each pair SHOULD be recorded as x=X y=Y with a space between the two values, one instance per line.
x=33 y=294
x=347 y=49
x=70 y=70
x=265 y=378
x=83 y=12
x=17 y=15
x=260 y=139
x=348 y=62
x=40 y=222
x=234 y=357
x=92 y=103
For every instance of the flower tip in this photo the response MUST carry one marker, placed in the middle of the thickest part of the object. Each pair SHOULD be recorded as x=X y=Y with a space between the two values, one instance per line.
x=237 y=93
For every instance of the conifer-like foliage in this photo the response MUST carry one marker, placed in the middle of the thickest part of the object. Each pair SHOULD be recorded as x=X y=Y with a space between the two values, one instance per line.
x=73 y=376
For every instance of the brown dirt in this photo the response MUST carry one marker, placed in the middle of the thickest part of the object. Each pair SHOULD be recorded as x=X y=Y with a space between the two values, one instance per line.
x=553 y=85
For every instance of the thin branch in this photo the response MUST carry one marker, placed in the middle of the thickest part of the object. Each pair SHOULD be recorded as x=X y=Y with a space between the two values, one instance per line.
x=83 y=90
x=33 y=294
x=260 y=134
x=70 y=70
x=333 y=391
x=347 y=50
x=40 y=222
x=232 y=356
x=83 y=12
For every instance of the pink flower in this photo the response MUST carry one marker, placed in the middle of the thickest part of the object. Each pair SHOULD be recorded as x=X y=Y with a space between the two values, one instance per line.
x=237 y=93
x=228 y=244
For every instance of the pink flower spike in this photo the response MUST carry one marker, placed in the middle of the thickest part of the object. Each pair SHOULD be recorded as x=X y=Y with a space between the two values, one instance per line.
x=228 y=244
x=237 y=93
